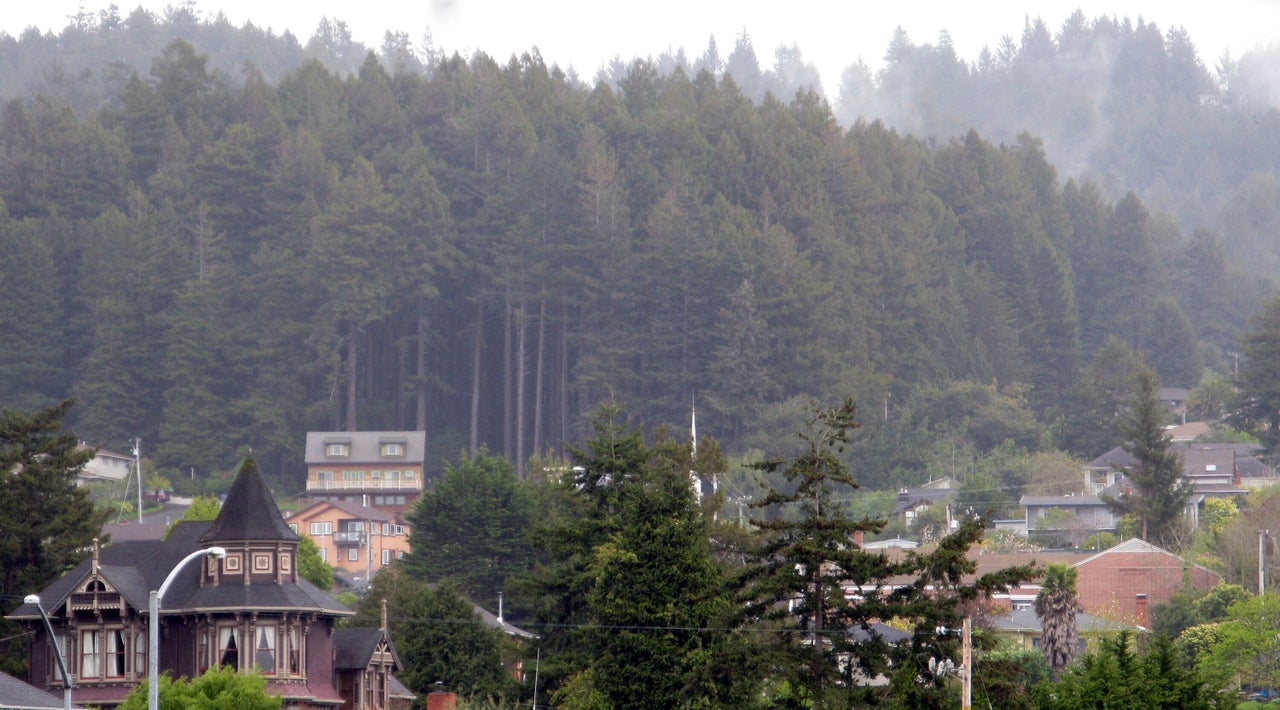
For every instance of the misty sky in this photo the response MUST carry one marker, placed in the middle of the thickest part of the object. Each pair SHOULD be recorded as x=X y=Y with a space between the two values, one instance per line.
x=585 y=35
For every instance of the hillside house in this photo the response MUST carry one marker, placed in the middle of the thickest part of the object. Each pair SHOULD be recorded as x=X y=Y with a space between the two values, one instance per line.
x=356 y=538
x=1085 y=515
x=380 y=469
x=105 y=465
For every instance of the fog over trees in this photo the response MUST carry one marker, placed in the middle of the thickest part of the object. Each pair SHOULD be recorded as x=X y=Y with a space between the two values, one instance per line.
x=217 y=238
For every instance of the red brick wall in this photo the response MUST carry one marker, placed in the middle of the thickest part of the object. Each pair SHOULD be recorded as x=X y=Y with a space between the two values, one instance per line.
x=1109 y=584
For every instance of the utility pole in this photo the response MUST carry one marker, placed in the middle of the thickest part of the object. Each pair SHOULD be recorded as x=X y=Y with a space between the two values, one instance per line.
x=966 y=659
x=137 y=466
x=1262 y=580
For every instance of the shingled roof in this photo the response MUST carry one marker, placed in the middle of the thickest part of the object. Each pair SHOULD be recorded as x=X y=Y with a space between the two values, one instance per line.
x=17 y=694
x=249 y=512
x=353 y=648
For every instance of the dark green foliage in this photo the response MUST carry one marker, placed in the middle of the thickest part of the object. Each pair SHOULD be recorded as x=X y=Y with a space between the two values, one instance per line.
x=1258 y=406
x=311 y=567
x=1004 y=677
x=47 y=522
x=439 y=636
x=218 y=689
x=472 y=528
x=1160 y=494
x=1090 y=419
x=632 y=601
x=1191 y=607
x=247 y=250
x=442 y=639
x=31 y=318
x=793 y=588
x=1118 y=677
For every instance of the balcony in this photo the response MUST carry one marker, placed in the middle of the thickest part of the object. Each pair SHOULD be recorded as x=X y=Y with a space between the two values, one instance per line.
x=367 y=484
x=348 y=539
x=96 y=601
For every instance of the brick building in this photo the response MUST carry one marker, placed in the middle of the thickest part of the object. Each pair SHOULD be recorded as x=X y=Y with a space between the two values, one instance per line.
x=1110 y=582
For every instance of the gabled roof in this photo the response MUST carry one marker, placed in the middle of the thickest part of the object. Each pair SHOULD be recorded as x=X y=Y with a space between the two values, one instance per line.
x=249 y=512
x=17 y=695
x=1244 y=457
x=494 y=622
x=1173 y=394
x=1135 y=545
x=1208 y=462
x=353 y=510
x=135 y=568
x=353 y=648
x=396 y=689
x=910 y=498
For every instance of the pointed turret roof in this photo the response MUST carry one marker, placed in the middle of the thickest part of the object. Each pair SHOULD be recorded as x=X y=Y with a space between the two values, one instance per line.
x=249 y=512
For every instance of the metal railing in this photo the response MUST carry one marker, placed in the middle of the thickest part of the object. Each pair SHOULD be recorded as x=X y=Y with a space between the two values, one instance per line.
x=348 y=538
x=413 y=484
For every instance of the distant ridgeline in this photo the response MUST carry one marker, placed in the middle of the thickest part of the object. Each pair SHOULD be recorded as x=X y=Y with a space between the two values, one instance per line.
x=235 y=245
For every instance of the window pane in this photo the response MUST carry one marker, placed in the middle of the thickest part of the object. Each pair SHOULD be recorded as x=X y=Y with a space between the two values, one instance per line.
x=228 y=648
x=140 y=653
x=115 y=653
x=295 y=651
x=265 y=648
x=89 y=667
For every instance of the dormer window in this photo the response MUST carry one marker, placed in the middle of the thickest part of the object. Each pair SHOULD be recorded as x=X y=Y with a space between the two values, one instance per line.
x=392 y=448
x=337 y=448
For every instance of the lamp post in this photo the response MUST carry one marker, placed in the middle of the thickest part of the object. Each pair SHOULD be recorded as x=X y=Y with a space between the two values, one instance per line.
x=153 y=630
x=62 y=663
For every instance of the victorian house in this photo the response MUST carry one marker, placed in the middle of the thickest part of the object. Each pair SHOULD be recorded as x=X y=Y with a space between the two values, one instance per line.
x=249 y=610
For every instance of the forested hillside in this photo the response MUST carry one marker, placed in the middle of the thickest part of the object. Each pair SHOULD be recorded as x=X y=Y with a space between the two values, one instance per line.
x=1117 y=100
x=487 y=250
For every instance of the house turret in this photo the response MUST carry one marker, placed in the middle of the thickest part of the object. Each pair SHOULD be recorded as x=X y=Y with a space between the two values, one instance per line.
x=260 y=545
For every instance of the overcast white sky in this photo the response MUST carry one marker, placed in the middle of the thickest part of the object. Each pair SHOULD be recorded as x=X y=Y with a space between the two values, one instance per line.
x=585 y=34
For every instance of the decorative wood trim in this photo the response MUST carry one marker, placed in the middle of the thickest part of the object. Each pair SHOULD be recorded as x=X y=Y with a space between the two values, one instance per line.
x=262 y=562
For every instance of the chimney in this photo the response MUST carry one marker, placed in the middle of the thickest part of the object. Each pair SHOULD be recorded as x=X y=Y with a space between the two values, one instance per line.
x=1140 y=609
x=440 y=700
x=857 y=538
x=95 y=555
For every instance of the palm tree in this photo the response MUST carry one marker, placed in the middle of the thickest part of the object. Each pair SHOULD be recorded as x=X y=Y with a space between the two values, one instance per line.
x=1056 y=605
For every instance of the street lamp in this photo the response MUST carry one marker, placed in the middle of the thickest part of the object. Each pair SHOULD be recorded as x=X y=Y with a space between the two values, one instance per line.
x=153 y=632
x=62 y=663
